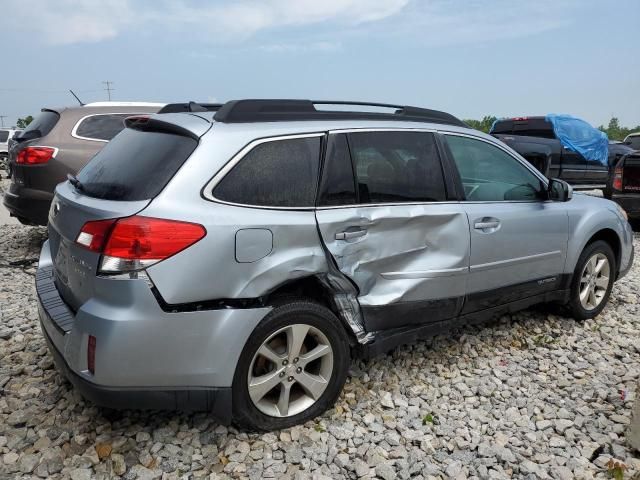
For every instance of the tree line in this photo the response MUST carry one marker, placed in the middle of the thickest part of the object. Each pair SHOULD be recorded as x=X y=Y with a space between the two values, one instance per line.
x=613 y=130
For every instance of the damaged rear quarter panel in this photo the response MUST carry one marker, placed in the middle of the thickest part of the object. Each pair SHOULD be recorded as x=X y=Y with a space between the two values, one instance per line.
x=210 y=270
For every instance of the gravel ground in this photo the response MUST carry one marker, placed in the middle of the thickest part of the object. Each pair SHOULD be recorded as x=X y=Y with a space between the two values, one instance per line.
x=531 y=395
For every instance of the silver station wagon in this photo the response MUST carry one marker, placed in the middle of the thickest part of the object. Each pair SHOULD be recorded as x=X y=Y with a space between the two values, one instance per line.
x=236 y=260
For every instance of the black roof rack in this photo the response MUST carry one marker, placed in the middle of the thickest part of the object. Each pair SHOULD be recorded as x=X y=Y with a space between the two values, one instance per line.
x=249 y=111
x=190 y=107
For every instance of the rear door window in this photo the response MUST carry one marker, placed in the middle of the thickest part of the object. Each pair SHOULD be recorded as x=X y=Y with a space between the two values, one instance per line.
x=101 y=127
x=338 y=183
x=4 y=135
x=279 y=173
x=136 y=165
x=397 y=167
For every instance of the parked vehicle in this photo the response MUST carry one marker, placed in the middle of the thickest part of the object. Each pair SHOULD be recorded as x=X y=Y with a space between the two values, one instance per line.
x=536 y=140
x=625 y=184
x=58 y=142
x=633 y=140
x=248 y=254
x=6 y=134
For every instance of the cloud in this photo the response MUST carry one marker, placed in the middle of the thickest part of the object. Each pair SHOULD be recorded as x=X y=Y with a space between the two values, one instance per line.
x=301 y=25
x=77 y=21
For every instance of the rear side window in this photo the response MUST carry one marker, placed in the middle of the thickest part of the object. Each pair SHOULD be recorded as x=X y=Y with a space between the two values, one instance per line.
x=43 y=123
x=279 y=173
x=397 y=167
x=4 y=135
x=102 y=127
x=136 y=165
x=634 y=142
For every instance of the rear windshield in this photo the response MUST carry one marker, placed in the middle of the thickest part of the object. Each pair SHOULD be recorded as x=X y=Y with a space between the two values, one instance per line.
x=4 y=135
x=532 y=127
x=135 y=165
x=43 y=123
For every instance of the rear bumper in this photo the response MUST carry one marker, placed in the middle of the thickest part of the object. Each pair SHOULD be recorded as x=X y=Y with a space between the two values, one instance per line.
x=216 y=400
x=145 y=357
x=28 y=203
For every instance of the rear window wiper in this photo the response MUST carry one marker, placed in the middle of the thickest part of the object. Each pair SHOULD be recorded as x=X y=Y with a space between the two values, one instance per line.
x=75 y=182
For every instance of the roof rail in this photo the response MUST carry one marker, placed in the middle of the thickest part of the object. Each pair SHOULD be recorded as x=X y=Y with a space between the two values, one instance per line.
x=190 y=107
x=248 y=111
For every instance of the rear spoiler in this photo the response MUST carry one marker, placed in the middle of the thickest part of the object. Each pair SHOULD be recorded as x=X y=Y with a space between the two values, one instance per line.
x=145 y=123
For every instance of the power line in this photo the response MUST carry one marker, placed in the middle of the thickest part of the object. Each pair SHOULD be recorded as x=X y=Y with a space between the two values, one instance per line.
x=108 y=88
x=2 y=117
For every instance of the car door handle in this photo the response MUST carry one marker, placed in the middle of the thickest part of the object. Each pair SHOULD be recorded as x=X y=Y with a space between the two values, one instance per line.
x=484 y=225
x=348 y=235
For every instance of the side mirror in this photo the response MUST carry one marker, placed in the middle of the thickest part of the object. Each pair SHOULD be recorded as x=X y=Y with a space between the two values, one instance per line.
x=559 y=190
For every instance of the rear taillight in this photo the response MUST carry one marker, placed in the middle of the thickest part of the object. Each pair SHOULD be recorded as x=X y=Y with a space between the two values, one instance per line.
x=94 y=234
x=617 y=179
x=134 y=243
x=91 y=354
x=35 y=155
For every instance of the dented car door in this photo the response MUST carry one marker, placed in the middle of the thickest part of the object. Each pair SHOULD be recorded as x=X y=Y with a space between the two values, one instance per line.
x=396 y=235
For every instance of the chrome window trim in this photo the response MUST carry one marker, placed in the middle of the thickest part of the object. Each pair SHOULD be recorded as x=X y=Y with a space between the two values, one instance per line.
x=74 y=131
x=207 y=191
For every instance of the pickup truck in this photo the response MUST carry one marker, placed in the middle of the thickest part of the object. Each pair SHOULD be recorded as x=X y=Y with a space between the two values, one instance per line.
x=624 y=184
x=535 y=139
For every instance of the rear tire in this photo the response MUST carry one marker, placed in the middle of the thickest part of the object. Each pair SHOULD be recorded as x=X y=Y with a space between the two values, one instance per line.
x=592 y=281
x=275 y=386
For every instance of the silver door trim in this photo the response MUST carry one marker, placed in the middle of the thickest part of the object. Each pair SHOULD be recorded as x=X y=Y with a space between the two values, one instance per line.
x=513 y=261
x=448 y=272
x=207 y=191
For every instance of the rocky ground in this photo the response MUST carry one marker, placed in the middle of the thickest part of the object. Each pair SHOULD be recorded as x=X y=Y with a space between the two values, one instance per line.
x=532 y=395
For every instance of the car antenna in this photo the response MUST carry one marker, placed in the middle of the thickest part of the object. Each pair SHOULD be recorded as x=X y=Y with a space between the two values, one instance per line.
x=79 y=101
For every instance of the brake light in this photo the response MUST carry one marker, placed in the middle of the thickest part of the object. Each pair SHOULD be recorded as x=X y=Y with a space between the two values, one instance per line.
x=134 y=243
x=35 y=155
x=93 y=234
x=617 y=179
x=91 y=354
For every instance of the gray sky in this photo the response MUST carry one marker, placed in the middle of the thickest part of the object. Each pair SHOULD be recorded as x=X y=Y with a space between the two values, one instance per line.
x=468 y=57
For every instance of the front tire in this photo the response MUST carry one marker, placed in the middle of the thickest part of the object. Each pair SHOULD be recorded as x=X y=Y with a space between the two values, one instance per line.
x=292 y=368
x=592 y=280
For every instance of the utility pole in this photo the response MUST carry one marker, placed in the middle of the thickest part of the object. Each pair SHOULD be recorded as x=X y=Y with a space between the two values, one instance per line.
x=108 y=88
x=2 y=117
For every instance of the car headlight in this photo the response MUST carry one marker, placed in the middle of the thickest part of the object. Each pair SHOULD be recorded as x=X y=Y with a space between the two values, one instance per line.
x=622 y=212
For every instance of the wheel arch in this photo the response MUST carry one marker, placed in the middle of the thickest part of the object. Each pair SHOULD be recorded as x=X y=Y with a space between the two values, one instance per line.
x=320 y=289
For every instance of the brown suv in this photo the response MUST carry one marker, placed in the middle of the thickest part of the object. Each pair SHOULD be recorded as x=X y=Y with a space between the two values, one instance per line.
x=57 y=142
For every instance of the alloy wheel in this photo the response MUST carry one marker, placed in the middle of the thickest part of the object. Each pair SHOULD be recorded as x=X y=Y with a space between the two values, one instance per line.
x=594 y=281
x=290 y=371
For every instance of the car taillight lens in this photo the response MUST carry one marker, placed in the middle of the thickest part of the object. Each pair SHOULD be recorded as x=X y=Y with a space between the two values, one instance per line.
x=35 y=155
x=94 y=234
x=617 y=179
x=134 y=243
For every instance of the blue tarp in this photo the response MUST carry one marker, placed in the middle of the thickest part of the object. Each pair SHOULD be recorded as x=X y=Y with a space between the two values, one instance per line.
x=581 y=137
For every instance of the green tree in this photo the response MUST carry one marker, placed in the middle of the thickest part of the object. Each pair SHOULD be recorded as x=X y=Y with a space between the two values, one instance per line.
x=23 y=122
x=483 y=125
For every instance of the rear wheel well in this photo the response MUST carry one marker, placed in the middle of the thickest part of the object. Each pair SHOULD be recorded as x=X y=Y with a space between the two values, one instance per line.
x=309 y=288
x=611 y=237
